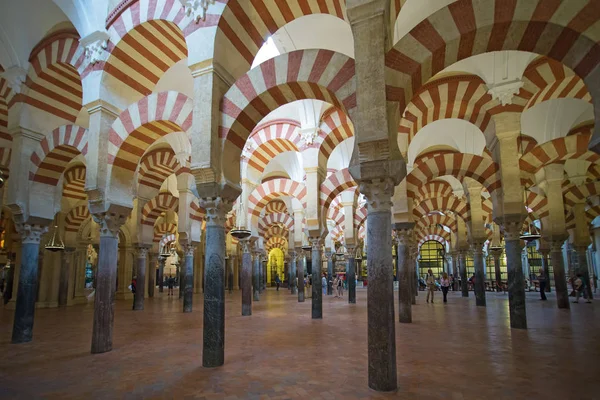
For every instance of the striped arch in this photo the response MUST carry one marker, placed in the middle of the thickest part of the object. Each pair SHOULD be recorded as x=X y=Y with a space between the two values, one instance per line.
x=360 y=216
x=299 y=75
x=244 y=27
x=276 y=231
x=444 y=205
x=269 y=220
x=432 y=190
x=53 y=81
x=437 y=231
x=361 y=232
x=435 y=219
x=546 y=79
x=166 y=240
x=276 y=242
x=458 y=165
x=154 y=208
x=335 y=184
x=276 y=207
x=335 y=127
x=574 y=194
x=160 y=229
x=6 y=96
x=269 y=140
x=156 y=166
x=74 y=183
x=271 y=190
x=55 y=151
x=584 y=128
x=75 y=217
x=428 y=154
x=442 y=240
x=558 y=150
x=538 y=204
x=466 y=28
x=456 y=96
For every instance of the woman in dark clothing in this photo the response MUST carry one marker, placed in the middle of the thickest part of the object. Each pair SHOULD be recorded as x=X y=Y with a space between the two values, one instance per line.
x=170 y=284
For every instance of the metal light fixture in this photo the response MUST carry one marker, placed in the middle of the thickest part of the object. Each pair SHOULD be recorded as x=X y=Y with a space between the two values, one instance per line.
x=55 y=244
x=533 y=233
x=240 y=232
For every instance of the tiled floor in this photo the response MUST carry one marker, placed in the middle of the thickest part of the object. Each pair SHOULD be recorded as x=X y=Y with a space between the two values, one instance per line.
x=453 y=351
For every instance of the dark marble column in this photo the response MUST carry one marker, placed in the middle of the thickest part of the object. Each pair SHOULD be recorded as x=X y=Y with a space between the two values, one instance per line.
x=65 y=272
x=413 y=278
x=181 y=266
x=560 y=280
x=516 y=281
x=230 y=261
x=351 y=273
x=152 y=274
x=381 y=329
x=403 y=261
x=301 y=264
x=256 y=276
x=246 y=279
x=293 y=271
x=477 y=247
x=545 y=254
x=584 y=270
x=213 y=350
x=317 y=286
x=138 y=301
x=497 y=273
x=329 y=256
x=106 y=276
x=161 y=271
x=188 y=283
x=464 y=279
x=28 y=281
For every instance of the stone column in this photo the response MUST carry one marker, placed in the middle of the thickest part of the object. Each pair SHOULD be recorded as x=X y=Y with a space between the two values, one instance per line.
x=152 y=274
x=545 y=253
x=558 y=266
x=65 y=272
x=161 y=271
x=28 y=281
x=188 y=283
x=497 y=273
x=403 y=261
x=455 y=270
x=230 y=274
x=463 y=273
x=584 y=270
x=317 y=286
x=140 y=290
x=329 y=257
x=293 y=271
x=351 y=273
x=301 y=264
x=181 y=266
x=236 y=273
x=516 y=281
x=213 y=350
x=256 y=277
x=106 y=276
x=477 y=247
x=246 y=279
x=380 y=289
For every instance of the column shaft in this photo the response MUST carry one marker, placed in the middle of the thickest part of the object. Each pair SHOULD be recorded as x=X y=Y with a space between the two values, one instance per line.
x=65 y=272
x=351 y=275
x=188 y=267
x=584 y=270
x=246 y=282
x=161 y=271
x=463 y=274
x=256 y=277
x=560 y=280
x=497 y=272
x=293 y=272
x=479 y=275
x=140 y=290
x=151 y=275
x=330 y=274
x=516 y=281
x=405 y=291
x=301 y=268
x=317 y=286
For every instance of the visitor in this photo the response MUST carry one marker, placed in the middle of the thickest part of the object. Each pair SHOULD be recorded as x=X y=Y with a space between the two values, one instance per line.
x=133 y=287
x=324 y=284
x=170 y=284
x=452 y=282
x=472 y=282
x=445 y=282
x=430 y=282
x=542 y=282
x=277 y=281
x=340 y=287
x=579 y=286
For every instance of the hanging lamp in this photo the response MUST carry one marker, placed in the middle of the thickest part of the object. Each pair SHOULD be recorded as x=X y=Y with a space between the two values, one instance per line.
x=494 y=247
x=240 y=232
x=55 y=244
x=532 y=232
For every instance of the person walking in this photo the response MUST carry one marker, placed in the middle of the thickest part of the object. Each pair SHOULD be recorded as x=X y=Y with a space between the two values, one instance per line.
x=430 y=282
x=340 y=287
x=445 y=283
x=170 y=284
x=542 y=282
x=133 y=288
x=277 y=281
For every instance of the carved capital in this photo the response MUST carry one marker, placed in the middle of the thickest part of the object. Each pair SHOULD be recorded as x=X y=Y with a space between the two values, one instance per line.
x=141 y=251
x=95 y=45
x=350 y=251
x=188 y=249
x=196 y=9
x=506 y=91
x=328 y=255
x=15 y=77
x=30 y=233
x=110 y=223
x=315 y=243
x=216 y=210
x=378 y=194
x=477 y=245
x=512 y=227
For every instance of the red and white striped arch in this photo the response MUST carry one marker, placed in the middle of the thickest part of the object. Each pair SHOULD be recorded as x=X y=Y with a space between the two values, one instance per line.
x=53 y=81
x=5 y=138
x=162 y=229
x=156 y=166
x=459 y=165
x=433 y=189
x=438 y=238
x=335 y=184
x=574 y=194
x=303 y=74
x=55 y=151
x=143 y=123
x=166 y=240
x=74 y=183
x=269 y=140
x=442 y=204
x=271 y=190
x=434 y=219
x=276 y=242
x=75 y=217
x=456 y=96
x=335 y=127
x=276 y=231
x=561 y=30
x=432 y=230
x=584 y=128
x=538 y=204
x=558 y=150
x=244 y=26
x=155 y=207
x=271 y=219
x=197 y=213
x=360 y=216
x=276 y=207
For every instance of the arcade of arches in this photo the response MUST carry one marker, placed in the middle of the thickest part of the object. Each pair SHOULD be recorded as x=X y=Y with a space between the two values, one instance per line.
x=366 y=139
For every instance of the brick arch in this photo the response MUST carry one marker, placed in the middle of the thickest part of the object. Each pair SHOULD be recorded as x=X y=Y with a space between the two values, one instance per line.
x=74 y=183
x=156 y=166
x=460 y=165
x=428 y=220
x=260 y=156
x=574 y=194
x=276 y=231
x=558 y=150
x=167 y=239
x=335 y=127
x=53 y=83
x=427 y=155
x=469 y=27
x=433 y=231
x=274 y=189
x=304 y=74
x=75 y=217
x=160 y=203
x=442 y=204
x=276 y=207
x=275 y=219
x=55 y=151
x=335 y=184
x=163 y=228
x=433 y=237
x=433 y=189
x=276 y=242
x=197 y=213
x=6 y=96
x=360 y=216
x=586 y=127
x=538 y=204
x=244 y=26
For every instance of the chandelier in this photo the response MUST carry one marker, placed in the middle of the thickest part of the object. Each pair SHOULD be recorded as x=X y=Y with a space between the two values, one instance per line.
x=55 y=244
x=240 y=232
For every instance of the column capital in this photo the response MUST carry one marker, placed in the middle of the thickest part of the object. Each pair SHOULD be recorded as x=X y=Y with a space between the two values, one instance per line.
x=512 y=226
x=110 y=222
x=141 y=251
x=378 y=193
x=31 y=233
x=477 y=245
x=557 y=242
x=315 y=242
x=188 y=249
x=216 y=210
